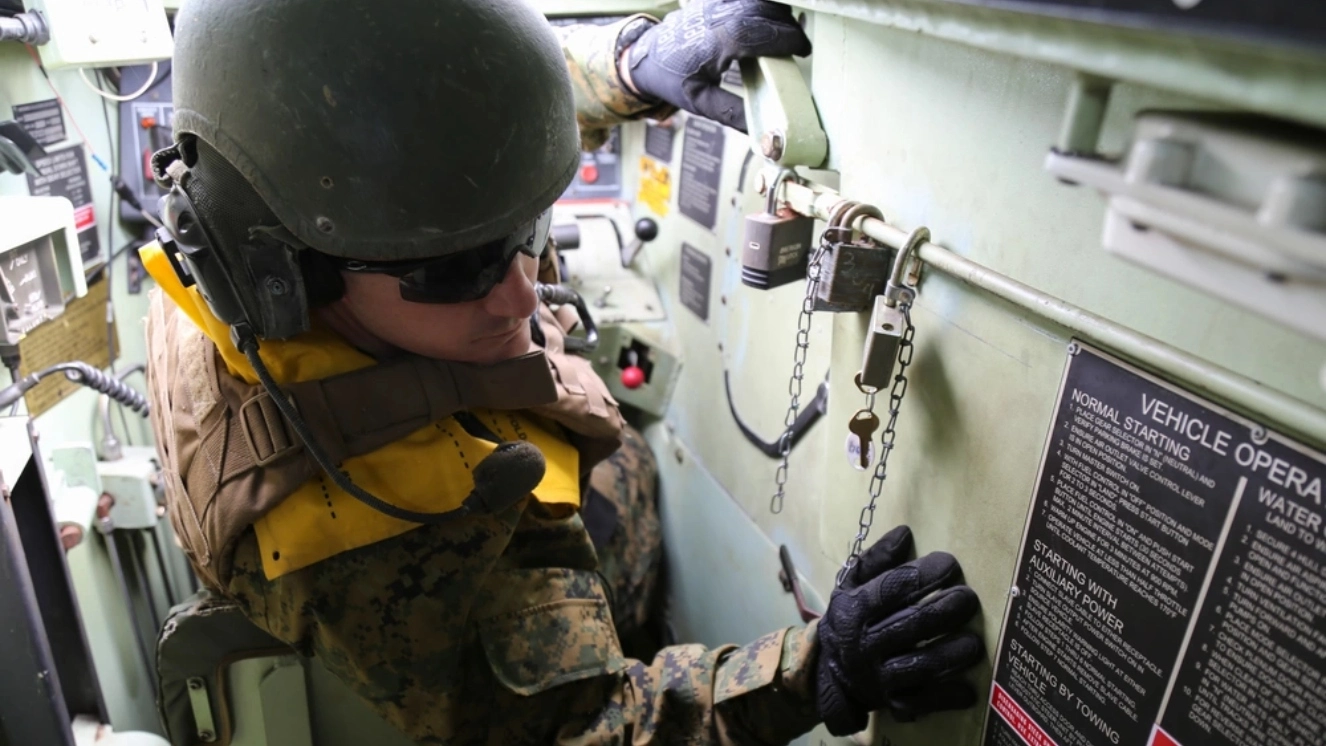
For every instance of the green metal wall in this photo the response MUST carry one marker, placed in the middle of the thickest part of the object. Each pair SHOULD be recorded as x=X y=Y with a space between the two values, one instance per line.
x=129 y=699
x=21 y=82
x=941 y=116
x=931 y=123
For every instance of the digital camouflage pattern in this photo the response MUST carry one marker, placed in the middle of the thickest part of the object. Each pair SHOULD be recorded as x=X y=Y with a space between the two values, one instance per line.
x=631 y=550
x=602 y=98
x=500 y=629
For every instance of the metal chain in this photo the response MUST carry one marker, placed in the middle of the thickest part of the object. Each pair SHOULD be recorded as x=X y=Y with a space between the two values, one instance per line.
x=905 y=348
x=798 y=370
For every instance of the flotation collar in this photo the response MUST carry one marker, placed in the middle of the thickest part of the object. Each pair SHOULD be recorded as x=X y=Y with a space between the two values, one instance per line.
x=427 y=471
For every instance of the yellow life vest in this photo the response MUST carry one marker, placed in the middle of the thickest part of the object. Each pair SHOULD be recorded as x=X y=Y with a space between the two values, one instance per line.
x=427 y=471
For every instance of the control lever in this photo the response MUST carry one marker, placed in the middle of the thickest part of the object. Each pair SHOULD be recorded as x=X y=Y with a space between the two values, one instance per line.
x=807 y=417
x=788 y=577
x=555 y=295
x=646 y=230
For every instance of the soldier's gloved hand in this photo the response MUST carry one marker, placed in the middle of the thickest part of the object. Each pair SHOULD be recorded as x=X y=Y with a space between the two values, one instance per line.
x=682 y=59
x=891 y=639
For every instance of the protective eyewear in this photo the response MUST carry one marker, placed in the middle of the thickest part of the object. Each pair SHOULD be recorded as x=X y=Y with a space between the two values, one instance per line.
x=465 y=275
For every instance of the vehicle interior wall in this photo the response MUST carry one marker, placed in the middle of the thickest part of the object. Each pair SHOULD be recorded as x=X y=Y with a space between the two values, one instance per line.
x=942 y=116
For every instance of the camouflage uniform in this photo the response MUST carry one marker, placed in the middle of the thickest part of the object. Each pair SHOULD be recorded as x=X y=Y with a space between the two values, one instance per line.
x=499 y=628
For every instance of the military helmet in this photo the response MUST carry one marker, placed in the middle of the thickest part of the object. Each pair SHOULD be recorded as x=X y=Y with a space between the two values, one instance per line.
x=364 y=130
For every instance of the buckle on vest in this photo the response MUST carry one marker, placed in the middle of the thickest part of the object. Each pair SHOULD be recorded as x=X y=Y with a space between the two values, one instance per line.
x=264 y=428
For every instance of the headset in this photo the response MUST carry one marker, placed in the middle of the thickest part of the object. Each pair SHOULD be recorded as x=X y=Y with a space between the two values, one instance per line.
x=186 y=242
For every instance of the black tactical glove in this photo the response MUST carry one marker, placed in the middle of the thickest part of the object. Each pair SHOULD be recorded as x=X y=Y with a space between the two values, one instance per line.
x=681 y=60
x=886 y=643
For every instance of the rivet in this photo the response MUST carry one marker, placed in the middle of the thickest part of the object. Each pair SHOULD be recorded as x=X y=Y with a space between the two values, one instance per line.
x=277 y=286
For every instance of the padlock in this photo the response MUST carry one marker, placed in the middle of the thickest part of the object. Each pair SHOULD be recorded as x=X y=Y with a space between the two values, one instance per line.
x=852 y=272
x=777 y=244
x=881 y=351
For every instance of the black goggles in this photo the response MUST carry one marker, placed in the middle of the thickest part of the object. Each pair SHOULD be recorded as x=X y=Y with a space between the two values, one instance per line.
x=465 y=275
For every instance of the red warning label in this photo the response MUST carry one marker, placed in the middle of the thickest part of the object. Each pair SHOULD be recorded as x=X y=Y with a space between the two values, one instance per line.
x=84 y=217
x=1160 y=738
x=1019 y=720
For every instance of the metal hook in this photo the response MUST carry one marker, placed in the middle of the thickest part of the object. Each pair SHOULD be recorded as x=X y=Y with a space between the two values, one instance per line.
x=896 y=290
x=835 y=226
x=771 y=200
x=869 y=391
x=857 y=211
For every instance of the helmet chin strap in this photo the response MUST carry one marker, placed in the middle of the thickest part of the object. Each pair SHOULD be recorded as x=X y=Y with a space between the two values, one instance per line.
x=246 y=341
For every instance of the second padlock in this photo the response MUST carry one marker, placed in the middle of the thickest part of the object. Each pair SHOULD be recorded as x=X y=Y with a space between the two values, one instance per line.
x=887 y=324
x=777 y=243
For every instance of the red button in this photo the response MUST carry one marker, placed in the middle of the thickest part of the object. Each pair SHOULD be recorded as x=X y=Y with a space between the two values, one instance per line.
x=589 y=173
x=633 y=377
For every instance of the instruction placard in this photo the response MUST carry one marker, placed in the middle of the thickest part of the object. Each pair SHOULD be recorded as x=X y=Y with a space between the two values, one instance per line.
x=696 y=273
x=701 y=168
x=1171 y=587
x=63 y=173
x=43 y=120
x=658 y=140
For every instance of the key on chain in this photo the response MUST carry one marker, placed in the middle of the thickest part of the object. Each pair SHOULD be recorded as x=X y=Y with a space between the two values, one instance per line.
x=863 y=425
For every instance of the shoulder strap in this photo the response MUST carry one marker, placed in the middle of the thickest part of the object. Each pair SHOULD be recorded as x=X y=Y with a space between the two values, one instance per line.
x=360 y=411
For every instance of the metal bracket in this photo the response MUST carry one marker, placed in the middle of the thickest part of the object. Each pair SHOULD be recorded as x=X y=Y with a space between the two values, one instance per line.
x=781 y=116
x=201 y=705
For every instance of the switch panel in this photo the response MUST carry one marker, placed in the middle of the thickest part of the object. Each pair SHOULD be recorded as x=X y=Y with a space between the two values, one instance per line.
x=639 y=370
x=145 y=127
x=600 y=172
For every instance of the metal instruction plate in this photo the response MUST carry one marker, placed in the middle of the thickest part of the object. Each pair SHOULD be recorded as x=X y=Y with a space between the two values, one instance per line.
x=701 y=169
x=1171 y=585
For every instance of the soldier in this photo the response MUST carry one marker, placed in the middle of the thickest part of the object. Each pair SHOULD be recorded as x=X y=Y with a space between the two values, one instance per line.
x=374 y=438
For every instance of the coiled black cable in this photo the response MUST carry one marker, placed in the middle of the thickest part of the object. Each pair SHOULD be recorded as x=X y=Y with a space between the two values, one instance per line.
x=78 y=372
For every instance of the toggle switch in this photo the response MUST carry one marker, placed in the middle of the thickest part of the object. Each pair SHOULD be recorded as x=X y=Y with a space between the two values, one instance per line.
x=633 y=377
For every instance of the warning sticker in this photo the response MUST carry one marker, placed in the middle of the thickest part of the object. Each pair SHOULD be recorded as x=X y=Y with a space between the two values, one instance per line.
x=1170 y=589
x=655 y=185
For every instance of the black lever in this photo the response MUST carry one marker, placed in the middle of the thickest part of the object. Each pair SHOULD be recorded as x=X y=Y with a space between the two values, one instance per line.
x=788 y=577
x=563 y=294
x=807 y=417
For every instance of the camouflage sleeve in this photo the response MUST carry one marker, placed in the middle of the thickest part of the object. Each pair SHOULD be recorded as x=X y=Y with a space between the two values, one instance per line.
x=602 y=98
x=759 y=693
x=453 y=637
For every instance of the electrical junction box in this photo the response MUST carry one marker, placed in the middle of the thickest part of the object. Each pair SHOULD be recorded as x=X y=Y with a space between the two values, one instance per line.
x=41 y=268
x=103 y=33
x=1233 y=205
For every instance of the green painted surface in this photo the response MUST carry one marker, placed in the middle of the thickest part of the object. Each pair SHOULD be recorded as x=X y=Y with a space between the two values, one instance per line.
x=128 y=693
x=941 y=116
x=951 y=136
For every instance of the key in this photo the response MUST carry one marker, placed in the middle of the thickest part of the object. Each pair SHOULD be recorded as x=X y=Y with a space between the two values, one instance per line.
x=863 y=425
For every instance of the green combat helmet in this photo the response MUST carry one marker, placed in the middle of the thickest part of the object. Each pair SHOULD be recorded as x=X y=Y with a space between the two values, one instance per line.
x=424 y=139
x=365 y=132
